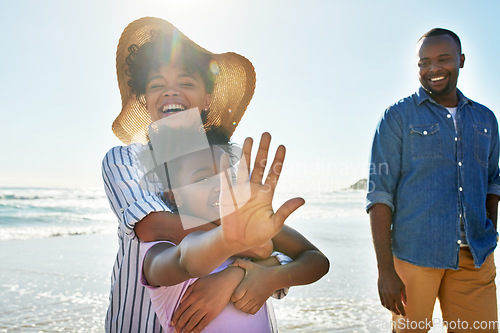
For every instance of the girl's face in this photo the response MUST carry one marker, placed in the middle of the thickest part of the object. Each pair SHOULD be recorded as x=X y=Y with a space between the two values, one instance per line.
x=172 y=89
x=198 y=185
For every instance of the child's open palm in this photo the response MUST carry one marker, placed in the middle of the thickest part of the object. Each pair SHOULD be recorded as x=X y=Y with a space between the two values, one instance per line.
x=247 y=215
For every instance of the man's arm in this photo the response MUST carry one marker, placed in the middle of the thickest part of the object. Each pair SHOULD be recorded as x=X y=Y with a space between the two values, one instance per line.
x=390 y=287
x=493 y=174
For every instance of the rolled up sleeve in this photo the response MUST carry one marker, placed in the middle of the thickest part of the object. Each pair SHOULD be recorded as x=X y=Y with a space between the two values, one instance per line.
x=385 y=161
x=130 y=195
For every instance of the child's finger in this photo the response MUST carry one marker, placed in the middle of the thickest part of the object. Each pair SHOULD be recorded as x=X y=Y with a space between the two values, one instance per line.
x=254 y=309
x=248 y=307
x=241 y=304
x=241 y=263
x=227 y=200
x=286 y=209
x=276 y=167
x=224 y=162
x=244 y=165
x=238 y=294
x=261 y=158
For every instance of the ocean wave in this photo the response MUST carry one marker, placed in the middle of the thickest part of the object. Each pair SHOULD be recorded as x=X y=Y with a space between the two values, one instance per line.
x=27 y=213
x=37 y=213
x=50 y=194
x=331 y=204
x=24 y=233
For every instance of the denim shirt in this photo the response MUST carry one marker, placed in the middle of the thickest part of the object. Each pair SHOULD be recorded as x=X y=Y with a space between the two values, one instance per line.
x=433 y=175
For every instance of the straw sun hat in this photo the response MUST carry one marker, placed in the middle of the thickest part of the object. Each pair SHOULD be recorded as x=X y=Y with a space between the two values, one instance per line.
x=233 y=87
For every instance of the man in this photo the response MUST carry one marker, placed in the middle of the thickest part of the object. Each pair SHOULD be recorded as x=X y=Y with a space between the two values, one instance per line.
x=433 y=208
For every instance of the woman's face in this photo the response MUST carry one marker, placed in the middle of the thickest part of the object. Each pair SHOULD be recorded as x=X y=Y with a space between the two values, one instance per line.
x=171 y=89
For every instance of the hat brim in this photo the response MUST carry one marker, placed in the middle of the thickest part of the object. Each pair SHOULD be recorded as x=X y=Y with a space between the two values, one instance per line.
x=234 y=84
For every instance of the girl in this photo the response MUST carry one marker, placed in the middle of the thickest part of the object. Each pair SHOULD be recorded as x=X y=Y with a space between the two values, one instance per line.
x=198 y=192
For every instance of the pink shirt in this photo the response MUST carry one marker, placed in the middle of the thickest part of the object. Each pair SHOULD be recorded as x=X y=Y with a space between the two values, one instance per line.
x=165 y=301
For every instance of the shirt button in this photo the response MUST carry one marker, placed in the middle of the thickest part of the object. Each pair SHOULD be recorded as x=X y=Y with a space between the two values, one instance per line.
x=425 y=132
x=448 y=115
x=485 y=130
x=460 y=215
x=460 y=188
x=456 y=139
x=459 y=242
x=459 y=163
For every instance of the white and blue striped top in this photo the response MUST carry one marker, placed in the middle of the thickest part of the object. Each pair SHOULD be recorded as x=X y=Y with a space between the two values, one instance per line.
x=131 y=199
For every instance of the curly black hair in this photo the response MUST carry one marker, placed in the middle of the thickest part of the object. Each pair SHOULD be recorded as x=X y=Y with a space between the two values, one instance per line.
x=150 y=56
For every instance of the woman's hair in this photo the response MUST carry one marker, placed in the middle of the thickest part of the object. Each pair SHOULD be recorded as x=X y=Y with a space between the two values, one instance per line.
x=163 y=49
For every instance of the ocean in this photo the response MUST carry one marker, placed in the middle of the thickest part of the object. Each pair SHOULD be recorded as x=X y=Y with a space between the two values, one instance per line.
x=57 y=248
x=27 y=213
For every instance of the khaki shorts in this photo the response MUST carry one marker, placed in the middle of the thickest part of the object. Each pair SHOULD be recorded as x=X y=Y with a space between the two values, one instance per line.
x=467 y=296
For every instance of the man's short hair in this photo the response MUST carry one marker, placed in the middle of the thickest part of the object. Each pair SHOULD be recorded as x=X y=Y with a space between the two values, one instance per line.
x=440 y=32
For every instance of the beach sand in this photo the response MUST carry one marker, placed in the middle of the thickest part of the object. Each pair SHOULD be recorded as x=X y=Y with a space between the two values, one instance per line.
x=61 y=284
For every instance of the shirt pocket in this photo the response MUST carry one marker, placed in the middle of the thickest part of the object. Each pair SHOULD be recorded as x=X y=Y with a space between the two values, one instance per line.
x=482 y=139
x=425 y=141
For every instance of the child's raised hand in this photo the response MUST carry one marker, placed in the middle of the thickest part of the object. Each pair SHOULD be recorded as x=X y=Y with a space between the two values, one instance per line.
x=247 y=216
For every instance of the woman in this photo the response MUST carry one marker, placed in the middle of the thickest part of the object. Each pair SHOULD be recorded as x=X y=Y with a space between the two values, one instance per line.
x=157 y=80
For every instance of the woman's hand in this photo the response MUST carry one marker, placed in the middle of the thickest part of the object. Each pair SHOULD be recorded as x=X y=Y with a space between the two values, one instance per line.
x=205 y=299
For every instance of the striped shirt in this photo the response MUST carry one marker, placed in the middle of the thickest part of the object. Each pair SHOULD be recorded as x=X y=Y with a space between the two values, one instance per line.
x=131 y=199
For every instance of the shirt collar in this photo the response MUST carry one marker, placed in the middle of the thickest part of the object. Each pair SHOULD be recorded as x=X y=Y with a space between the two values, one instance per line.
x=423 y=96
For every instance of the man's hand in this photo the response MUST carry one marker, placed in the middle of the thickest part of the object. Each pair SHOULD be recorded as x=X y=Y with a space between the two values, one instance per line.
x=205 y=299
x=492 y=208
x=392 y=292
x=247 y=216
x=390 y=287
x=255 y=288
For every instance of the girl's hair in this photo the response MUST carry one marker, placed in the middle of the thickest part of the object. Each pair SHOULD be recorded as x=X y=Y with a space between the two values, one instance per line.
x=163 y=49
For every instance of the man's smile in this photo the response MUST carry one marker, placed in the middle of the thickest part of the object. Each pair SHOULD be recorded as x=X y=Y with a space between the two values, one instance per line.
x=436 y=79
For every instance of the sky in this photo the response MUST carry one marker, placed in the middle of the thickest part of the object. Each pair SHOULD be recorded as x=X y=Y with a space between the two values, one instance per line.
x=326 y=71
